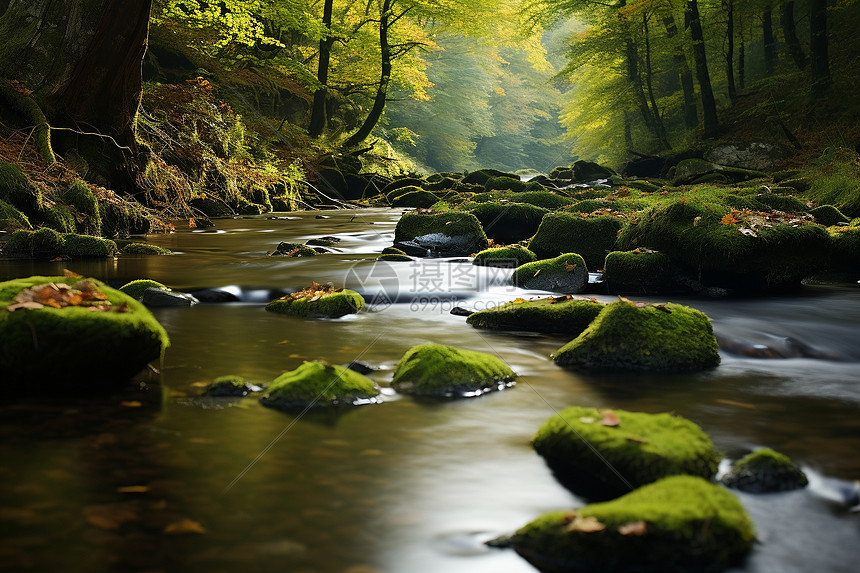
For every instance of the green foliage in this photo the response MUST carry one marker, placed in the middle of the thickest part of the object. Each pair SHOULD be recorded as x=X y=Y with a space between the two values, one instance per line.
x=81 y=197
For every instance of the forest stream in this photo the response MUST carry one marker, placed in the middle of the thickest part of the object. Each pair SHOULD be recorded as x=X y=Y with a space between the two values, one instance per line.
x=157 y=478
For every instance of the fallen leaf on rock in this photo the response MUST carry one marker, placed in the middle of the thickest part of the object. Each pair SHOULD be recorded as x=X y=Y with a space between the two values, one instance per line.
x=569 y=267
x=71 y=274
x=610 y=419
x=633 y=529
x=585 y=525
x=519 y=301
x=130 y=404
x=184 y=526
x=663 y=307
x=133 y=489
x=557 y=299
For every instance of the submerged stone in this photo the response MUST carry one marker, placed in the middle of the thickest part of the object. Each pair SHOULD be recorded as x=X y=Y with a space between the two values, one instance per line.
x=591 y=237
x=765 y=471
x=504 y=257
x=451 y=234
x=550 y=315
x=160 y=298
x=318 y=384
x=89 y=341
x=318 y=301
x=444 y=372
x=566 y=274
x=678 y=524
x=285 y=249
x=637 y=336
x=582 y=445
x=229 y=387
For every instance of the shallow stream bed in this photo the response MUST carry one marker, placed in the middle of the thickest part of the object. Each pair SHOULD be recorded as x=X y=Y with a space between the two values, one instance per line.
x=157 y=479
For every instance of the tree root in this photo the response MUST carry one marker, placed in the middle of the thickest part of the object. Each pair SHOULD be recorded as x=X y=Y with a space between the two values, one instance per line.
x=27 y=107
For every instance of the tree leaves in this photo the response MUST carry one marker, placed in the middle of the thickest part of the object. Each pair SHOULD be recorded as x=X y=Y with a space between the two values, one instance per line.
x=60 y=295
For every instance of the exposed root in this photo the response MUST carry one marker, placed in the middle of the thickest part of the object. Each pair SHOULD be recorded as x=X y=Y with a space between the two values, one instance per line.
x=20 y=101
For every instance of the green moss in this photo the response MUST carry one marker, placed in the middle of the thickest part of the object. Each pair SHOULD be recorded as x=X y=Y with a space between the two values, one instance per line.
x=41 y=244
x=11 y=218
x=136 y=288
x=566 y=273
x=228 y=386
x=505 y=257
x=591 y=237
x=481 y=176
x=458 y=232
x=331 y=305
x=444 y=372
x=828 y=215
x=544 y=199
x=145 y=249
x=508 y=223
x=398 y=192
x=81 y=198
x=643 y=448
x=17 y=190
x=678 y=524
x=395 y=258
x=846 y=248
x=72 y=348
x=511 y=184
x=834 y=179
x=88 y=246
x=59 y=217
x=784 y=203
x=293 y=250
x=765 y=471
x=211 y=207
x=638 y=336
x=693 y=235
x=318 y=384
x=549 y=315
x=589 y=206
x=584 y=171
x=639 y=272
x=420 y=199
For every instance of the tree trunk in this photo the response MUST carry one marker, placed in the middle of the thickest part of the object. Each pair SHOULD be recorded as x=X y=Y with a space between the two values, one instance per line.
x=818 y=47
x=709 y=105
x=729 y=7
x=81 y=59
x=786 y=20
x=658 y=121
x=691 y=118
x=384 y=78
x=318 y=110
x=742 y=66
x=769 y=41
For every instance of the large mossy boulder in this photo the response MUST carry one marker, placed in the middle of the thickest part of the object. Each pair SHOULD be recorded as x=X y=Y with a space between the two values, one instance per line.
x=828 y=215
x=550 y=315
x=765 y=471
x=544 y=199
x=83 y=200
x=720 y=247
x=639 y=271
x=630 y=335
x=587 y=171
x=451 y=234
x=566 y=274
x=71 y=334
x=47 y=243
x=507 y=223
x=439 y=371
x=591 y=237
x=319 y=384
x=481 y=176
x=318 y=301
x=418 y=199
x=680 y=524
x=504 y=257
x=583 y=445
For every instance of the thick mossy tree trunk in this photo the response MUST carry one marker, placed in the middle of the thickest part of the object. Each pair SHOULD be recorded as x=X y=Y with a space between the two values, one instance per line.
x=79 y=62
x=318 y=110
x=709 y=104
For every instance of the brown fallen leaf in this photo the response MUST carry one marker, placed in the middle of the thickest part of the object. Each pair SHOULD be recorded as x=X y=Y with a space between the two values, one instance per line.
x=184 y=526
x=569 y=267
x=71 y=274
x=610 y=419
x=133 y=489
x=633 y=529
x=20 y=305
x=130 y=404
x=663 y=307
x=585 y=525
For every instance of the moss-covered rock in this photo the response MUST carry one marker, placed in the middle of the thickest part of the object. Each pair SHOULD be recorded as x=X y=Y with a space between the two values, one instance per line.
x=582 y=445
x=398 y=192
x=286 y=249
x=58 y=217
x=449 y=234
x=678 y=524
x=691 y=171
x=511 y=184
x=41 y=244
x=765 y=471
x=585 y=171
x=550 y=315
x=591 y=237
x=318 y=384
x=846 y=248
x=145 y=249
x=136 y=288
x=86 y=246
x=543 y=199
x=210 y=206
x=781 y=202
x=640 y=272
x=481 y=176
x=637 y=336
x=443 y=372
x=589 y=206
x=12 y=219
x=508 y=223
x=419 y=199
x=504 y=257
x=83 y=200
x=828 y=215
x=73 y=347
x=709 y=243
x=318 y=302
x=17 y=190
x=228 y=387
x=566 y=273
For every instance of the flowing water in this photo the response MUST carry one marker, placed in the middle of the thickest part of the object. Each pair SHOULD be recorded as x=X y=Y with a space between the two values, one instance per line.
x=156 y=479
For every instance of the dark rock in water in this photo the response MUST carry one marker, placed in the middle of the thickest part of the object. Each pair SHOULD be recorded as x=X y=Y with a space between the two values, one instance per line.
x=359 y=367
x=326 y=241
x=585 y=171
x=322 y=217
x=285 y=249
x=158 y=298
x=773 y=347
x=462 y=311
x=229 y=386
x=214 y=295
x=765 y=471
